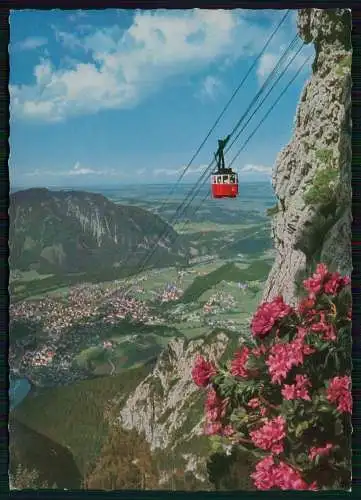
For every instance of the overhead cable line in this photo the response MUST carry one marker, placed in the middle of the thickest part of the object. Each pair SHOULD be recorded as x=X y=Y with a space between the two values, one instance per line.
x=186 y=168
x=258 y=125
x=184 y=205
x=267 y=82
x=256 y=128
x=273 y=73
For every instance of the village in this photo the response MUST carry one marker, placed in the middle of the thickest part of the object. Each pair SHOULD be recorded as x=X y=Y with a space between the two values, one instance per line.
x=67 y=325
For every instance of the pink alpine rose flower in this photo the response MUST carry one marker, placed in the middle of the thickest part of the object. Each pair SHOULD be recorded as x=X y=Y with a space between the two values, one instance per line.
x=299 y=390
x=268 y=475
x=339 y=393
x=212 y=428
x=322 y=451
x=267 y=315
x=322 y=281
x=264 y=474
x=322 y=326
x=238 y=364
x=282 y=358
x=314 y=285
x=254 y=403
x=335 y=283
x=288 y=478
x=203 y=371
x=271 y=435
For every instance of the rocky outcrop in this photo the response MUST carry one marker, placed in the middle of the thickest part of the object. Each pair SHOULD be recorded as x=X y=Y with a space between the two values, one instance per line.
x=312 y=175
x=167 y=408
x=161 y=404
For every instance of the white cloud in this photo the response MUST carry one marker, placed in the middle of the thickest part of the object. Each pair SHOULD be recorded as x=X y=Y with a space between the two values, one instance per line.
x=76 y=15
x=266 y=64
x=76 y=170
x=211 y=87
x=261 y=169
x=269 y=60
x=31 y=43
x=125 y=66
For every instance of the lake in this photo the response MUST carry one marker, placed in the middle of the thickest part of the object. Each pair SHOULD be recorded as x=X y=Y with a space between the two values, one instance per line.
x=18 y=390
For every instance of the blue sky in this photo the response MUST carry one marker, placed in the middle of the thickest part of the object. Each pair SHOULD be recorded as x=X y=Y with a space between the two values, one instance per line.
x=112 y=97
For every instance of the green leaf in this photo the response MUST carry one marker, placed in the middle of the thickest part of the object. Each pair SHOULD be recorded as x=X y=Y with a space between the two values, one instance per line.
x=300 y=428
x=324 y=408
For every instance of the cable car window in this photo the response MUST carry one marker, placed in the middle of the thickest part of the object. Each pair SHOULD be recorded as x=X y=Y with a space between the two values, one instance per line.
x=233 y=179
x=219 y=179
x=225 y=179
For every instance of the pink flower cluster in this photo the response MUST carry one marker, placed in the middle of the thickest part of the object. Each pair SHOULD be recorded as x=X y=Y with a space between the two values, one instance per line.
x=306 y=307
x=299 y=390
x=284 y=356
x=322 y=451
x=267 y=316
x=322 y=281
x=238 y=364
x=265 y=427
x=215 y=410
x=203 y=371
x=327 y=329
x=269 y=474
x=271 y=435
x=255 y=404
x=339 y=393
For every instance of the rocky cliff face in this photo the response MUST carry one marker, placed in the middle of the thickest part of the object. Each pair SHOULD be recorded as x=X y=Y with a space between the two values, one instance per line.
x=168 y=407
x=312 y=175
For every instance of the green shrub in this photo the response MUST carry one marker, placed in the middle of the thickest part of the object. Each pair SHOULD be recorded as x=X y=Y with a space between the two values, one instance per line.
x=344 y=65
x=324 y=155
x=272 y=211
x=322 y=190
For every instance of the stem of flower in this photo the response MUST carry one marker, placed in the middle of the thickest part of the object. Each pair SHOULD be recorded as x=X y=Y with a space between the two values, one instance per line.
x=244 y=440
x=267 y=403
x=297 y=469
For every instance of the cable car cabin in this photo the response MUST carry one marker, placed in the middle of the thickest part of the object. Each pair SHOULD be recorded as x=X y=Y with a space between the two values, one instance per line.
x=224 y=185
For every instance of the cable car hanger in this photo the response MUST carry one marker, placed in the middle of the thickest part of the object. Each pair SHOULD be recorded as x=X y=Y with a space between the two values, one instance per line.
x=224 y=181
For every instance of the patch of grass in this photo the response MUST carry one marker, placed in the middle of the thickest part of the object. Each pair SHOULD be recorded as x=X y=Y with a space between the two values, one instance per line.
x=258 y=270
x=95 y=354
x=323 y=188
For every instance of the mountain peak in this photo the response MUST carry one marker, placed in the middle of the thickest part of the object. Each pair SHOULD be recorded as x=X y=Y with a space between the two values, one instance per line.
x=77 y=231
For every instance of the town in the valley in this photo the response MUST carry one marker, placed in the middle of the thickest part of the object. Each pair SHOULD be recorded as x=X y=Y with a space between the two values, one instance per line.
x=88 y=329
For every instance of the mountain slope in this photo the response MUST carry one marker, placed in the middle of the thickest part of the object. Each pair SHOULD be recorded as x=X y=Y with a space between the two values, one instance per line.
x=33 y=450
x=75 y=231
x=74 y=416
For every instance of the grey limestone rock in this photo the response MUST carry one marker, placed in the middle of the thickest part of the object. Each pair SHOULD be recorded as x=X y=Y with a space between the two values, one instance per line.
x=305 y=232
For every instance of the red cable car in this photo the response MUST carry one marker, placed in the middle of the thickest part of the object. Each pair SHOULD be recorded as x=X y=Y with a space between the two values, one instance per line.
x=224 y=181
x=224 y=185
